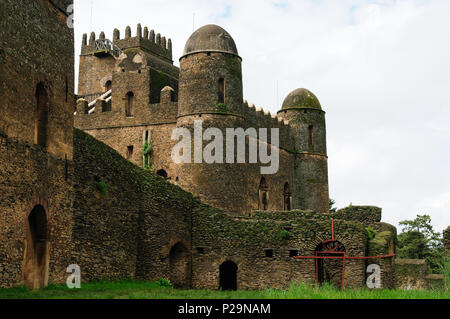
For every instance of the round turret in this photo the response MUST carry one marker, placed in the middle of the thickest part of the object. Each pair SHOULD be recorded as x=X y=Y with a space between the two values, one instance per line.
x=210 y=38
x=210 y=79
x=303 y=110
x=307 y=124
x=301 y=98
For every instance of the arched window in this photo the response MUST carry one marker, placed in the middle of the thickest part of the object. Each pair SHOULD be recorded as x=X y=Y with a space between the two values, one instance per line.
x=221 y=92
x=42 y=107
x=179 y=266
x=263 y=195
x=35 y=266
x=108 y=85
x=129 y=104
x=228 y=276
x=311 y=135
x=287 y=197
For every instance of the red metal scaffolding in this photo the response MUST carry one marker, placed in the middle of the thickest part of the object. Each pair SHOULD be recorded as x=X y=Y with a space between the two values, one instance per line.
x=337 y=250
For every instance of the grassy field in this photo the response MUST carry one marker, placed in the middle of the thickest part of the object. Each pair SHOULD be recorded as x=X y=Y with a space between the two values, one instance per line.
x=129 y=289
x=142 y=290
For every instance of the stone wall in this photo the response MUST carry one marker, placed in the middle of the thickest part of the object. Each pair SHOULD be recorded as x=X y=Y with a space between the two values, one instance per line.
x=219 y=237
x=36 y=123
x=37 y=47
x=384 y=243
x=411 y=274
x=94 y=72
x=232 y=187
x=126 y=220
x=364 y=214
x=30 y=177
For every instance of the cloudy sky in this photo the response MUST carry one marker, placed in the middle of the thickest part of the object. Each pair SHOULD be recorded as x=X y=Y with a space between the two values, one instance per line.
x=381 y=70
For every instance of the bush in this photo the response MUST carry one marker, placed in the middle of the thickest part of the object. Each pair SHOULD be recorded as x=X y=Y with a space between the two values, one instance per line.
x=371 y=233
x=285 y=234
x=164 y=283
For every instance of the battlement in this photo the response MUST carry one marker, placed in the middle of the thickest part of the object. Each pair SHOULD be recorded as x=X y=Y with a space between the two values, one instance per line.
x=257 y=117
x=145 y=39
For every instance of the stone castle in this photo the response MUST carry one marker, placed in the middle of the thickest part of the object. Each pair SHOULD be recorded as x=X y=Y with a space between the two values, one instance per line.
x=89 y=179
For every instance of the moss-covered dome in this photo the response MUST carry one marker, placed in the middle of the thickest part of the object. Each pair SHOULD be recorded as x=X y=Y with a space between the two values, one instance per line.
x=210 y=38
x=302 y=98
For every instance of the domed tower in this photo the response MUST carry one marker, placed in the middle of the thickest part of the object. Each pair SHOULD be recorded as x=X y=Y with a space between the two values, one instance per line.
x=307 y=121
x=210 y=74
x=210 y=92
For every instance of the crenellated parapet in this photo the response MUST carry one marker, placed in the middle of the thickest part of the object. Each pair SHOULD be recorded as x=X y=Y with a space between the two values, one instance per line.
x=144 y=39
x=257 y=117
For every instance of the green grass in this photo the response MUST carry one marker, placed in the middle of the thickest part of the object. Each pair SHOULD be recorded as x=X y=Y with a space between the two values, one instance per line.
x=129 y=289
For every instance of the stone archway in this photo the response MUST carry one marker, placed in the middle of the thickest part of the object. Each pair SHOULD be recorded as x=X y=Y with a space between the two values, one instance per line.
x=330 y=270
x=228 y=276
x=179 y=266
x=36 y=255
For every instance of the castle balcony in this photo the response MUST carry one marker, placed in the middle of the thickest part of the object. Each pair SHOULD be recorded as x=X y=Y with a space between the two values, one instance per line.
x=104 y=47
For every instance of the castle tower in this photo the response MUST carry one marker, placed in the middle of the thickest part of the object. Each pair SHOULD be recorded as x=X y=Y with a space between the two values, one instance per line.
x=102 y=63
x=210 y=74
x=307 y=120
x=210 y=91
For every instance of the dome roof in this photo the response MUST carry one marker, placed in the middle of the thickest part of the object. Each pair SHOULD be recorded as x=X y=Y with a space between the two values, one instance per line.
x=302 y=98
x=210 y=38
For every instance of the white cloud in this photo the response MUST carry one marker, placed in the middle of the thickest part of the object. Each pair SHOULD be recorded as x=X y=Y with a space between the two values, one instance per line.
x=380 y=69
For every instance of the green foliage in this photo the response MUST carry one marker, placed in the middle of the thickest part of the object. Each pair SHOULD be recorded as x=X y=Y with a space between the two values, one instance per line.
x=285 y=234
x=164 y=283
x=332 y=208
x=222 y=106
x=147 y=150
x=371 y=233
x=418 y=240
x=102 y=187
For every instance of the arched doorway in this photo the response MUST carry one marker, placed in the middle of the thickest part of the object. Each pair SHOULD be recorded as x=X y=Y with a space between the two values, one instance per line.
x=263 y=194
x=162 y=173
x=41 y=122
x=287 y=197
x=35 y=266
x=228 y=276
x=179 y=266
x=330 y=270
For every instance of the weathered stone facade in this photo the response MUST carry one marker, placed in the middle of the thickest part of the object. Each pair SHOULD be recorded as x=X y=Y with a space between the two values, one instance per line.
x=165 y=97
x=36 y=124
x=77 y=197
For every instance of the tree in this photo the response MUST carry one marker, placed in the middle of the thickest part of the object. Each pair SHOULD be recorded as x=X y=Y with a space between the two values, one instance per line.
x=418 y=240
x=332 y=208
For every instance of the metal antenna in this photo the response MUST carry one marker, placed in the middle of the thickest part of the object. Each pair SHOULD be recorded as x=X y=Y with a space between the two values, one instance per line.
x=92 y=10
